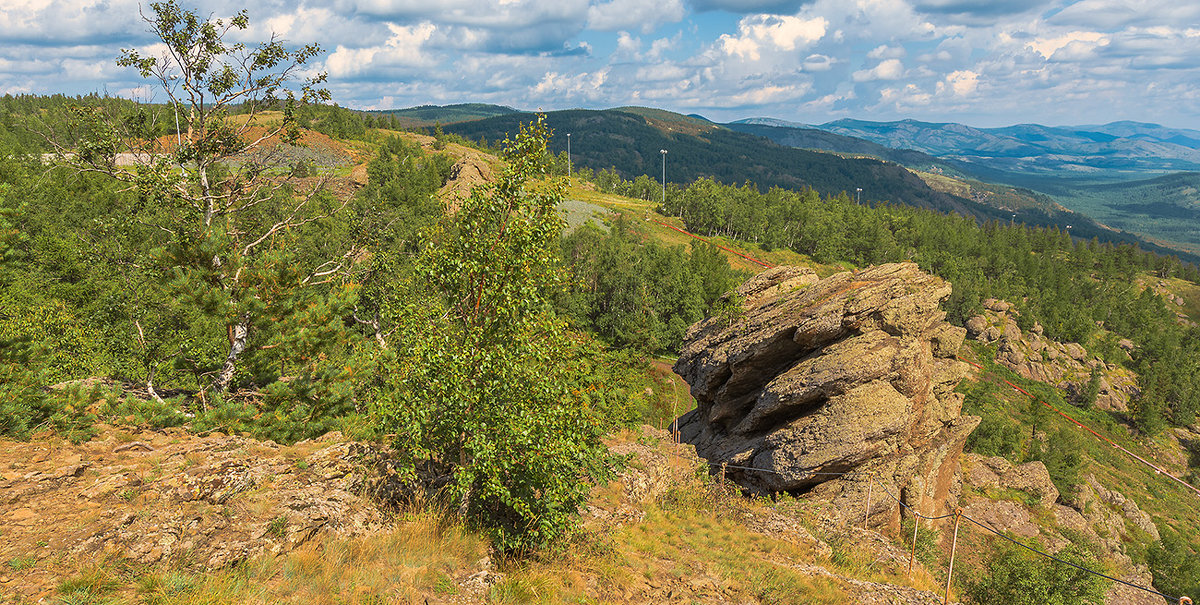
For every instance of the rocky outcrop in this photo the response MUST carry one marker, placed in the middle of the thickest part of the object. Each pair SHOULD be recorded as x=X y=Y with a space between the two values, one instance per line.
x=821 y=378
x=1067 y=366
x=996 y=472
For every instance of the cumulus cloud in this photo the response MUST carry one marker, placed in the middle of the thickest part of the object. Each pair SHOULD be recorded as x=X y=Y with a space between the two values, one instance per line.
x=890 y=69
x=961 y=83
x=781 y=32
x=1048 y=46
x=886 y=52
x=403 y=48
x=581 y=86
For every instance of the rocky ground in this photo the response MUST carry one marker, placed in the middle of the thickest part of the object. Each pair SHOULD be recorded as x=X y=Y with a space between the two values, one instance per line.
x=149 y=499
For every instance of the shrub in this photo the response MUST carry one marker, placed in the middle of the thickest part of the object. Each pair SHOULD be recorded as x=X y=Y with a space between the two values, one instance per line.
x=491 y=385
x=1014 y=576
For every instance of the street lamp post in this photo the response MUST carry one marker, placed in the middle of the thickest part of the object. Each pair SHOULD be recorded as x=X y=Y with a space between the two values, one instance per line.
x=858 y=195
x=664 y=177
x=568 y=156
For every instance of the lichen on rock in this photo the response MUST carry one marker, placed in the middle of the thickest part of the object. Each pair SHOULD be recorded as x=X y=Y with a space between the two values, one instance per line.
x=853 y=375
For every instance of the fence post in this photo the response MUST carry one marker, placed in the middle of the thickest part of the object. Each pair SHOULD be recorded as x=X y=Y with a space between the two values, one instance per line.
x=723 y=473
x=913 y=554
x=953 y=547
x=870 y=486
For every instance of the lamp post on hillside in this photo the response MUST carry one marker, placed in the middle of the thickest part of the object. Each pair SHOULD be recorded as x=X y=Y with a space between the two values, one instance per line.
x=568 y=157
x=664 y=178
x=858 y=195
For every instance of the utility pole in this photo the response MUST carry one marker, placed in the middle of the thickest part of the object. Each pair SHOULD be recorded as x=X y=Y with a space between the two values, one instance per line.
x=664 y=178
x=568 y=157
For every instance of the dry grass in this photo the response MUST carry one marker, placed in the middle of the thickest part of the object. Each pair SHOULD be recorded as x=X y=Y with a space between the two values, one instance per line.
x=418 y=558
x=692 y=545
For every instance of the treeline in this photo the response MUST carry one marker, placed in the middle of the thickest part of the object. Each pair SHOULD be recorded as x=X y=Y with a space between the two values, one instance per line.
x=639 y=294
x=25 y=119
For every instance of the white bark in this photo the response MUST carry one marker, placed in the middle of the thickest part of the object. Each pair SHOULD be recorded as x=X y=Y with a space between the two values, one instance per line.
x=237 y=343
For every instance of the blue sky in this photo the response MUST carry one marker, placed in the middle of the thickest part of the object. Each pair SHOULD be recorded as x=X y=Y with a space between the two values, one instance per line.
x=980 y=62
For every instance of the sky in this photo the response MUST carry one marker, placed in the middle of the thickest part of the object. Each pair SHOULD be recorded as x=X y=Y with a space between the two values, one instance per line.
x=979 y=62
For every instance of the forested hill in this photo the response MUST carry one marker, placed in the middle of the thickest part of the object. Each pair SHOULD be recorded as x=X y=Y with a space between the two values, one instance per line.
x=429 y=115
x=630 y=142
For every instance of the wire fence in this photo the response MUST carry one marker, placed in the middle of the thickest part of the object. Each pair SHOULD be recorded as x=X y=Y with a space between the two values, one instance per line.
x=958 y=515
x=1154 y=467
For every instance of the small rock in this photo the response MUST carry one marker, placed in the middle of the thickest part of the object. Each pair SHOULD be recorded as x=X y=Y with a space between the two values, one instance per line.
x=1076 y=351
x=135 y=446
x=999 y=306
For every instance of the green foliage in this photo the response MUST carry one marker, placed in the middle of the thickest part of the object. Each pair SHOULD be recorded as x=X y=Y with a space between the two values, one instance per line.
x=636 y=293
x=1092 y=390
x=1015 y=576
x=23 y=404
x=1175 y=565
x=1023 y=432
x=998 y=434
x=22 y=563
x=143 y=412
x=277 y=527
x=489 y=386
x=928 y=551
x=90 y=587
x=1062 y=453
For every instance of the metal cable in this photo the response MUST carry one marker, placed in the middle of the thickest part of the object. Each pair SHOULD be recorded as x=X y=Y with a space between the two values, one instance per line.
x=964 y=516
x=1079 y=567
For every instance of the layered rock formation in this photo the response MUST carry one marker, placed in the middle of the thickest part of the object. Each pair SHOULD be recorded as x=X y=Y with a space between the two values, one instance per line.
x=1067 y=366
x=819 y=380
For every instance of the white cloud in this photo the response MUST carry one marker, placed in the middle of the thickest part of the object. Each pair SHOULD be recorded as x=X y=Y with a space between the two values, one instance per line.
x=886 y=52
x=582 y=86
x=961 y=83
x=628 y=47
x=891 y=69
x=403 y=48
x=818 y=63
x=1048 y=46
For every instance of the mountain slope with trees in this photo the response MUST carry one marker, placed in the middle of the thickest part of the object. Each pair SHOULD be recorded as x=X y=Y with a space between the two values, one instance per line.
x=630 y=143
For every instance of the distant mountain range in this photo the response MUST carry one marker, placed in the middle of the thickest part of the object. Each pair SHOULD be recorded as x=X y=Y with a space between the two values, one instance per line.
x=1108 y=152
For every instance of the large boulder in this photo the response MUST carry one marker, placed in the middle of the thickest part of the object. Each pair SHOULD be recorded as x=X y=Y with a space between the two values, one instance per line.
x=842 y=385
